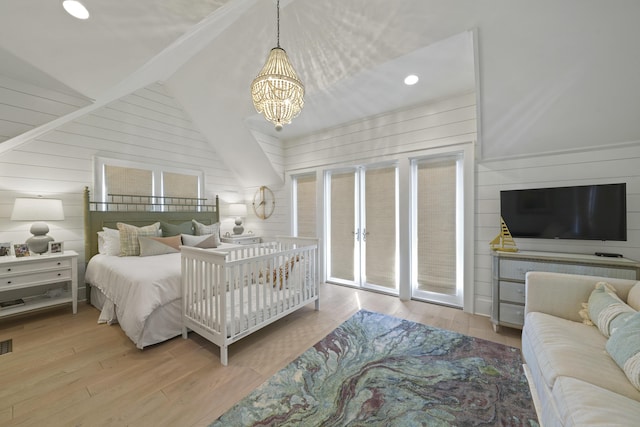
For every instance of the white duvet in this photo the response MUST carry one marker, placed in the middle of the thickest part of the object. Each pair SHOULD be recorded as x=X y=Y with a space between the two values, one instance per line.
x=135 y=287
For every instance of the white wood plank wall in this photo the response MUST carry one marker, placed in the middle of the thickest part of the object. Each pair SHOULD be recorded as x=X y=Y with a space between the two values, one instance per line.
x=594 y=166
x=448 y=122
x=24 y=106
x=146 y=126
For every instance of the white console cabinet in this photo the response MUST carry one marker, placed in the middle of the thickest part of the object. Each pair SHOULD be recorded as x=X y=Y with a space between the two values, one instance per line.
x=509 y=270
x=36 y=272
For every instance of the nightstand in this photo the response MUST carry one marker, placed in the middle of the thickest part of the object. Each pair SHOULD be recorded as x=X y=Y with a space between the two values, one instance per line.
x=242 y=239
x=37 y=271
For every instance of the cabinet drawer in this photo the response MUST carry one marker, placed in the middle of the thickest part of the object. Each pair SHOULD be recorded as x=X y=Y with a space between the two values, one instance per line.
x=512 y=292
x=249 y=241
x=36 y=278
x=517 y=269
x=511 y=313
x=25 y=267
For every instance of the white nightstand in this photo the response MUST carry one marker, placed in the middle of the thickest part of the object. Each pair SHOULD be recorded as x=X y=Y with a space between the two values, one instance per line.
x=35 y=271
x=242 y=239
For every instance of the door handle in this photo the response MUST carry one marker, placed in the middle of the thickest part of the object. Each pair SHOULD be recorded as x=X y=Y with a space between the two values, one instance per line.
x=357 y=234
x=364 y=234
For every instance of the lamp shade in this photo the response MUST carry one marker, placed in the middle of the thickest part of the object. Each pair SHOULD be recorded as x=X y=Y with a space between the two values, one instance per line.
x=237 y=209
x=37 y=209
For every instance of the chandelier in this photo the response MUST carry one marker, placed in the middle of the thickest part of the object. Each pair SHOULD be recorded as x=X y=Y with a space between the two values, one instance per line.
x=277 y=91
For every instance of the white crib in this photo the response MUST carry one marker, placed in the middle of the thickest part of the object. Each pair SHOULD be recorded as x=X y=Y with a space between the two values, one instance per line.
x=227 y=295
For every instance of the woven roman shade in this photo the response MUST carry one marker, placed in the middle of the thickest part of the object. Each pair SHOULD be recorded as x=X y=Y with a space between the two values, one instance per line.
x=436 y=223
x=306 y=205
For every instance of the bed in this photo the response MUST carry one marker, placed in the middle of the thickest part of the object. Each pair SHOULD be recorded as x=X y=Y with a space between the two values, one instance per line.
x=223 y=293
x=227 y=295
x=142 y=294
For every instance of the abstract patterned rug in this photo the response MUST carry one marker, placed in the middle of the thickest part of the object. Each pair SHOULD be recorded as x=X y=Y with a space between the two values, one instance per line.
x=377 y=370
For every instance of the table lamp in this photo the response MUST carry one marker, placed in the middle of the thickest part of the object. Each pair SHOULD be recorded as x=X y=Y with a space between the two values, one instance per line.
x=238 y=210
x=38 y=209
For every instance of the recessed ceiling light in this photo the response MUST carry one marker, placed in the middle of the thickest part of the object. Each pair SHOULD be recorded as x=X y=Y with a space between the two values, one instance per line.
x=411 y=79
x=75 y=9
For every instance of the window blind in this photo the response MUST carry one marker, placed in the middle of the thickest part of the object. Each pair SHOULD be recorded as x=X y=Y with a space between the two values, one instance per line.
x=436 y=226
x=380 y=211
x=306 y=205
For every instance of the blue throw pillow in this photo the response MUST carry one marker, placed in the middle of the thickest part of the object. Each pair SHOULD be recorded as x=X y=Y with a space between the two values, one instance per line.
x=624 y=348
x=604 y=306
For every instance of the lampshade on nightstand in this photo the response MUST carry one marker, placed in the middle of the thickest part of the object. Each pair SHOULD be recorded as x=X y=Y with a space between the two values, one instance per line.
x=238 y=210
x=39 y=210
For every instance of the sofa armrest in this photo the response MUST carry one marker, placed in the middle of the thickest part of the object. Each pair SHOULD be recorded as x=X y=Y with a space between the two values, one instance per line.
x=562 y=295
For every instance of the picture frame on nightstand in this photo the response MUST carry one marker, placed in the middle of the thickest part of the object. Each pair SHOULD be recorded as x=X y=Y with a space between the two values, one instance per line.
x=21 y=250
x=56 y=247
x=5 y=249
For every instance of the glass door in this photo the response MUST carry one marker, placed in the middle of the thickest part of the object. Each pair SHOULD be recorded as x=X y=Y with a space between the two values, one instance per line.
x=379 y=229
x=343 y=228
x=362 y=228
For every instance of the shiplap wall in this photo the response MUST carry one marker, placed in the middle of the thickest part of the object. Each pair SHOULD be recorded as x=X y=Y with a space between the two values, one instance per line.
x=24 y=107
x=447 y=122
x=396 y=135
x=147 y=126
x=279 y=223
x=607 y=165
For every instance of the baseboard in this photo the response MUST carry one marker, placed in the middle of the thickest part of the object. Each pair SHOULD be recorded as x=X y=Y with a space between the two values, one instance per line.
x=534 y=393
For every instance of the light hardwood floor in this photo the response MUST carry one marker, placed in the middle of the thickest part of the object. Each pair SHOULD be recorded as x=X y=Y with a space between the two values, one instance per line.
x=67 y=370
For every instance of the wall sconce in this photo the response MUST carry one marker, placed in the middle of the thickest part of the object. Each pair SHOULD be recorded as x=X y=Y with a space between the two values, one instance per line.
x=38 y=209
x=238 y=210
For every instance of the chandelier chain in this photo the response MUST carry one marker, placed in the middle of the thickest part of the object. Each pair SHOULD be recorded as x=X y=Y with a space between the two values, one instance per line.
x=278 y=22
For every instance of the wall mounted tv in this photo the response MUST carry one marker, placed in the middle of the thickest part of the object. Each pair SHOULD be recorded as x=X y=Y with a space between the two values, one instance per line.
x=586 y=212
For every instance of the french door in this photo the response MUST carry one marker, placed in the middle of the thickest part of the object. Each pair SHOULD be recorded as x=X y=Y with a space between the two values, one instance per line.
x=362 y=227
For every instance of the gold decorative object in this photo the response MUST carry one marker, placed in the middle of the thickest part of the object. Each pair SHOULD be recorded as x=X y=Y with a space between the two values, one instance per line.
x=503 y=241
x=277 y=92
x=264 y=202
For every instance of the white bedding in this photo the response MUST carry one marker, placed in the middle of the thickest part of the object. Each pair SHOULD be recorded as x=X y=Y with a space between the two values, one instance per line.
x=136 y=286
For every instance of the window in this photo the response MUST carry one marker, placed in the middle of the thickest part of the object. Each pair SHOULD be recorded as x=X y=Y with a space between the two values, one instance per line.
x=113 y=176
x=437 y=252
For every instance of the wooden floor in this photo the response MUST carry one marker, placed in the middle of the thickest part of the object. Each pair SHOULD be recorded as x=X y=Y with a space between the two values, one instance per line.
x=67 y=370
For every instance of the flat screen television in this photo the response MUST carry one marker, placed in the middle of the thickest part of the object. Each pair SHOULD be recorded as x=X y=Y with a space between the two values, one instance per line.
x=586 y=212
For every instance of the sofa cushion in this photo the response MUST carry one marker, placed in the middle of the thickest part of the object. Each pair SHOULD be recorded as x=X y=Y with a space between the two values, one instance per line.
x=583 y=404
x=560 y=347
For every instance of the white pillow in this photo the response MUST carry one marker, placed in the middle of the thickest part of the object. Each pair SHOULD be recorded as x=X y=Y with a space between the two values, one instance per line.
x=110 y=241
x=206 y=241
x=101 y=243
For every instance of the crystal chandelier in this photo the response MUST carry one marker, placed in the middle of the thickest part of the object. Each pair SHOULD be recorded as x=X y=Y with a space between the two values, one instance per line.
x=277 y=91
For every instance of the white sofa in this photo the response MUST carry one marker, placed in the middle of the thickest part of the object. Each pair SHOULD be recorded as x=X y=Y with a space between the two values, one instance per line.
x=576 y=381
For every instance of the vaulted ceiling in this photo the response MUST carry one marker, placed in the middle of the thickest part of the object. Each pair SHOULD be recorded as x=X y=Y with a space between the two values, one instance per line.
x=351 y=55
x=541 y=61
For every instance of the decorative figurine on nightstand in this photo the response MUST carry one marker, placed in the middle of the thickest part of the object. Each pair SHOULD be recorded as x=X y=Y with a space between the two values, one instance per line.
x=503 y=242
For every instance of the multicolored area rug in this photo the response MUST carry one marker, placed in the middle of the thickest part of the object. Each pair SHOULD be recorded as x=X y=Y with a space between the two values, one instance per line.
x=377 y=370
